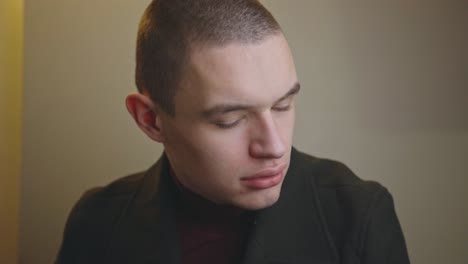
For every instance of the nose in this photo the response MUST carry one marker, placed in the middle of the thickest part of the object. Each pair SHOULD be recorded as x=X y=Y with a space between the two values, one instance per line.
x=266 y=141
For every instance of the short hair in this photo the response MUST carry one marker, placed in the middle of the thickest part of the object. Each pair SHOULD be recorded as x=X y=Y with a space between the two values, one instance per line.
x=170 y=29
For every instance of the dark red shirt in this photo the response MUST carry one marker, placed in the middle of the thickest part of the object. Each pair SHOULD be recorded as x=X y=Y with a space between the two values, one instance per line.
x=209 y=233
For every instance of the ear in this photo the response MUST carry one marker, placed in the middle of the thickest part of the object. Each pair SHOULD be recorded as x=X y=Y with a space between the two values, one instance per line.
x=146 y=114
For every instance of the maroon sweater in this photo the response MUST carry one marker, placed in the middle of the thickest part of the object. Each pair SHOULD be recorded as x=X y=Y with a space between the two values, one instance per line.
x=209 y=233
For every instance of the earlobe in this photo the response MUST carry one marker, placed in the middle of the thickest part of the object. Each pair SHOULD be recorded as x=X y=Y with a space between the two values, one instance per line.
x=146 y=114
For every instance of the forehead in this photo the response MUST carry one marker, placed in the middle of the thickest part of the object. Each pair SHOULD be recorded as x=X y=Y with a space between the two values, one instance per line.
x=252 y=73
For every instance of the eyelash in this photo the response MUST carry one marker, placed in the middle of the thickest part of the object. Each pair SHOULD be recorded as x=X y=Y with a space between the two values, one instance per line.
x=226 y=126
x=283 y=108
x=233 y=124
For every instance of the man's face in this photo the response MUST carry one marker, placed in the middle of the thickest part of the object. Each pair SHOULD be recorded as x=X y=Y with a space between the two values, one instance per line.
x=230 y=138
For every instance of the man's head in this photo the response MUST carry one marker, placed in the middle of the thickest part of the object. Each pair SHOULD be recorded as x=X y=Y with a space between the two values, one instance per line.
x=217 y=82
x=170 y=30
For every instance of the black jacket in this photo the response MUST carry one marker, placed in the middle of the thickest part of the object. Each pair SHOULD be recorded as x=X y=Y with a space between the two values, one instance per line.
x=325 y=215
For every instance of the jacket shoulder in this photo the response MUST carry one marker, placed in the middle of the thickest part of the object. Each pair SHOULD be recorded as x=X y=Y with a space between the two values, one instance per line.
x=360 y=214
x=333 y=175
x=91 y=222
x=121 y=186
x=105 y=202
x=340 y=192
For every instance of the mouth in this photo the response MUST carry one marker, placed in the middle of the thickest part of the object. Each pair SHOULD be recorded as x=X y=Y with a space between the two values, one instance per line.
x=265 y=178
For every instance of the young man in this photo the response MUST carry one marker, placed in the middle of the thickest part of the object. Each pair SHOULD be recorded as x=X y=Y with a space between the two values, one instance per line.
x=217 y=84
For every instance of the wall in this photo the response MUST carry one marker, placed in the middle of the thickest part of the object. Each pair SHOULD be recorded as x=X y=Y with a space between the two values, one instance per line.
x=384 y=90
x=79 y=60
x=11 y=36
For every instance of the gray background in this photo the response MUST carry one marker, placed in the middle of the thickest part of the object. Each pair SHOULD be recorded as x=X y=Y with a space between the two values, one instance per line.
x=385 y=90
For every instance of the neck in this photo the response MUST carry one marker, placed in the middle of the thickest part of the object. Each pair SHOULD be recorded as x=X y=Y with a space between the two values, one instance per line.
x=196 y=205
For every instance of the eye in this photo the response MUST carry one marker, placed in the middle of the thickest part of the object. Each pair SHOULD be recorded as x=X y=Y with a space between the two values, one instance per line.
x=283 y=105
x=227 y=125
x=282 y=108
x=229 y=120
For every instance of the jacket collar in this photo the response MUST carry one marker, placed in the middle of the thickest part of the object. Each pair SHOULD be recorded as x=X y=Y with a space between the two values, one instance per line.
x=292 y=231
x=146 y=231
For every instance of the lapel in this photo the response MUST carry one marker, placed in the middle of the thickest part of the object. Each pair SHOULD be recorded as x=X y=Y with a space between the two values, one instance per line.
x=294 y=229
x=146 y=231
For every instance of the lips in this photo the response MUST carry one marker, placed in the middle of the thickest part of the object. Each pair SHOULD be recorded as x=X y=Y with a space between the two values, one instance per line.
x=265 y=178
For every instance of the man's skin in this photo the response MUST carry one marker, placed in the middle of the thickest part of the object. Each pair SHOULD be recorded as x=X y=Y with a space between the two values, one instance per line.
x=230 y=138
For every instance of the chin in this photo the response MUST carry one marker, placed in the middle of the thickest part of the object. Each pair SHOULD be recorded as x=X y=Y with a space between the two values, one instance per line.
x=259 y=200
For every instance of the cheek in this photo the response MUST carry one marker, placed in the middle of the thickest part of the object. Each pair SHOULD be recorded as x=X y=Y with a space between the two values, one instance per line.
x=226 y=147
x=209 y=149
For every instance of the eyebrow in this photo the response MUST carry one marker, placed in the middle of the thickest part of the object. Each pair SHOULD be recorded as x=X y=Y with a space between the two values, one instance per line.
x=294 y=90
x=226 y=108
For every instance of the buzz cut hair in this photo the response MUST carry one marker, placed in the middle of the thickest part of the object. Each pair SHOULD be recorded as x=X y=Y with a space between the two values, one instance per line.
x=170 y=30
